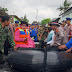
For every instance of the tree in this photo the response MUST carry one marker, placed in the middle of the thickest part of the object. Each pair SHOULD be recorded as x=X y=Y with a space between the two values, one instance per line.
x=45 y=21
x=65 y=6
x=3 y=11
x=24 y=19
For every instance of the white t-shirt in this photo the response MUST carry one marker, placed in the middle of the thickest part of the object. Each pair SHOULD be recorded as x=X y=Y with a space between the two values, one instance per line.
x=52 y=37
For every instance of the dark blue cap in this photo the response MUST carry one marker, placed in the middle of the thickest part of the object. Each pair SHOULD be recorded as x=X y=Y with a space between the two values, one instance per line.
x=32 y=24
x=36 y=24
x=68 y=18
x=16 y=21
x=60 y=23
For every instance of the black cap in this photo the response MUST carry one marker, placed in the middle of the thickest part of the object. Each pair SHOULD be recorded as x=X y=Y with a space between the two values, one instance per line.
x=60 y=23
x=55 y=24
x=24 y=22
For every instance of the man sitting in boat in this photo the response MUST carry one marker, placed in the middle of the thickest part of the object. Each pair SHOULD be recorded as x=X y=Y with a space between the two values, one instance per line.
x=22 y=37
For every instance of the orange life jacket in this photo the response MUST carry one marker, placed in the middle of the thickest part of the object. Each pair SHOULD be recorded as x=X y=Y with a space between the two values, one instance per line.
x=23 y=34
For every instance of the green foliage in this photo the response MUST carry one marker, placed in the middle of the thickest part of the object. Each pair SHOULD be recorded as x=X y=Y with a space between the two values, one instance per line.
x=45 y=21
x=24 y=19
x=65 y=6
x=3 y=11
x=60 y=8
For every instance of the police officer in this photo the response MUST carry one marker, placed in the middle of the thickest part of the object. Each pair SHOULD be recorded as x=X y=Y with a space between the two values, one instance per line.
x=63 y=23
x=33 y=32
x=60 y=37
x=16 y=25
x=68 y=28
x=36 y=25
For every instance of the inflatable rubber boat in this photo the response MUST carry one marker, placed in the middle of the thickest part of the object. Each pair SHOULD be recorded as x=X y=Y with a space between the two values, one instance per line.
x=50 y=59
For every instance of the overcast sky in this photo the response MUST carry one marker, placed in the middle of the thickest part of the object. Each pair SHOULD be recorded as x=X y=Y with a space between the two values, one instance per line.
x=46 y=8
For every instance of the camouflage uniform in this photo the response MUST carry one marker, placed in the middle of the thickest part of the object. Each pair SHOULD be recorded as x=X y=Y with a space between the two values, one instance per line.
x=44 y=36
x=40 y=33
x=4 y=34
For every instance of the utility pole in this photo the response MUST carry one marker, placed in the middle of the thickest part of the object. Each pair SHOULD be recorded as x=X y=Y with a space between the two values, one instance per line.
x=37 y=15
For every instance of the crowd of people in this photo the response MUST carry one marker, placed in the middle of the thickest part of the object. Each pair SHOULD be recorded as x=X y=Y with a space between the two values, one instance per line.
x=25 y=35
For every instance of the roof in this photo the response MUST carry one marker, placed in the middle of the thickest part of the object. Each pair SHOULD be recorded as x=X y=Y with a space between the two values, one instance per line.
x=66 y=11
x=56 y=19
x=16 y=17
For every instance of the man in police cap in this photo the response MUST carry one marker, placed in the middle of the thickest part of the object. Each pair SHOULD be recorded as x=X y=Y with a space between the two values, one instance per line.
x=60 y=37
x=63 y=23
x=68 y=28
x=36 y=25
x=16 y=25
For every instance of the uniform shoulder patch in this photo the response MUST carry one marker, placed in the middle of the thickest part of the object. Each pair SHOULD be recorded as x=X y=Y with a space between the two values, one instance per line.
x=57 y=30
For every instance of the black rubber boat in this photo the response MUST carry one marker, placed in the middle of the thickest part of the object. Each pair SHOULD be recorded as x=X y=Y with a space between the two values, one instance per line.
x=50 y=59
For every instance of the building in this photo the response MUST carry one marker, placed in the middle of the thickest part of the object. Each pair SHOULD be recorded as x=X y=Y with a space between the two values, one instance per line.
x=14 y=18
x=67 y=13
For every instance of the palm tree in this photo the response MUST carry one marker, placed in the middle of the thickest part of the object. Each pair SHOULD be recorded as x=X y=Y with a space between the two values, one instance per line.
x=60 y=9
x=65 y=6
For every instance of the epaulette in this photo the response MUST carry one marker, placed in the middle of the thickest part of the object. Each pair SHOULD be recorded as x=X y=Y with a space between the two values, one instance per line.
x=57 y=30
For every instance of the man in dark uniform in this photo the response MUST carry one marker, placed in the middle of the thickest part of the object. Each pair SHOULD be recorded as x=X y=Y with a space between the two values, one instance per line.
x=33 y=33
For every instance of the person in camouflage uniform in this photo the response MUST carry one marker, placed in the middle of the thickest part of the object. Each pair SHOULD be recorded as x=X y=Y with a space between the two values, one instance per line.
x=44 y=36
x=5 y=33
x=40 y=33
x=0 y=19
x=45 y=33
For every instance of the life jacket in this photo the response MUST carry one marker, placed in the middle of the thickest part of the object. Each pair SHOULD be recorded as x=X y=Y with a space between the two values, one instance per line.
x=23 y=34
